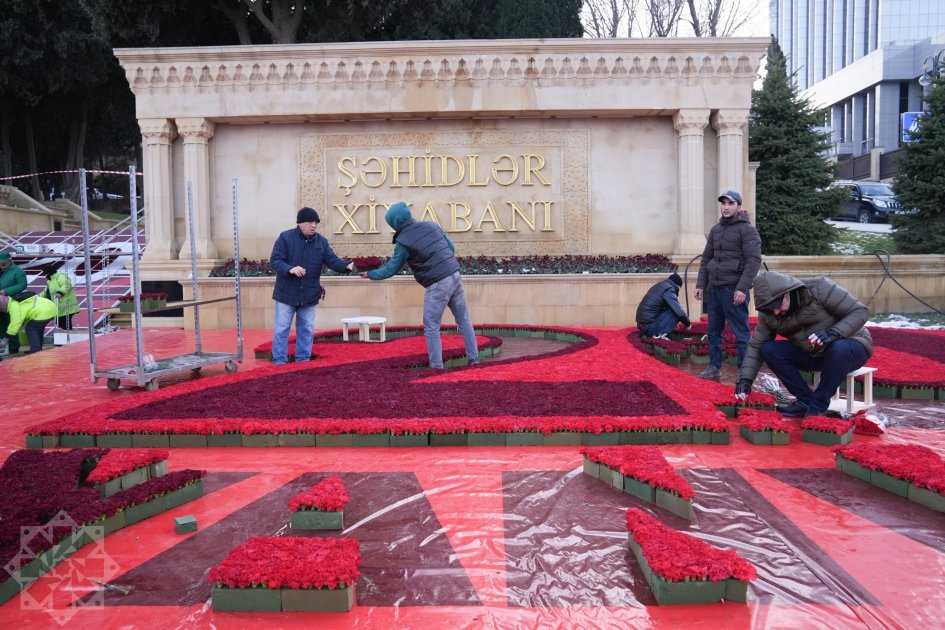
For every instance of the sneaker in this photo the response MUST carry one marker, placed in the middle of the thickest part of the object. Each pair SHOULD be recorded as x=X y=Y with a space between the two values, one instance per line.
x=663 y=336
x=795 y=409
x=710 y=372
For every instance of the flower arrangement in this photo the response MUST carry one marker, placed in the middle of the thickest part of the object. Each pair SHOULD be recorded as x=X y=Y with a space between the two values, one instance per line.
x=826 y=425
x=764 y=422
x=681 y=569
x=329 y=495
x=118 y=462
x=366 y=263
x=916 y=464
x=276 y=562
x=645 y=463
x=126 y=298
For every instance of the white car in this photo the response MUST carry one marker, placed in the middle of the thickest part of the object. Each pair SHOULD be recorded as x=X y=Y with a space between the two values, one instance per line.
x=98 y=195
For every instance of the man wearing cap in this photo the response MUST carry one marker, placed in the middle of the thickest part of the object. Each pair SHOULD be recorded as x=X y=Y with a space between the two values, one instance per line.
x=431 y=255
x=59 y=290
x=32 y=314
x=297 y=258
x=659 y=310
x=823 y=329
x=730 y=262
x=12 y=282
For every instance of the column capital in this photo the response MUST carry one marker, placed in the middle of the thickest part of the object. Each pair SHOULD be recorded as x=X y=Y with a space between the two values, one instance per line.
x=195 y=128
x=691 y=121
x=156 y=130
x=730 y=120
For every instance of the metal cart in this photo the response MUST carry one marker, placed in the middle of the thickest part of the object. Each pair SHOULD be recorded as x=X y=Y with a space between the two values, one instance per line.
x=146 y=371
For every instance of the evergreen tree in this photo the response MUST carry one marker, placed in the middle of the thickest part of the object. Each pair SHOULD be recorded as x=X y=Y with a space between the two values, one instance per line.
x=793 y=178
x=920 y=185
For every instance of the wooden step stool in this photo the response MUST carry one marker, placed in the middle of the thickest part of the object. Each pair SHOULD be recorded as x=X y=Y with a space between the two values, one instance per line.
x=849 y=404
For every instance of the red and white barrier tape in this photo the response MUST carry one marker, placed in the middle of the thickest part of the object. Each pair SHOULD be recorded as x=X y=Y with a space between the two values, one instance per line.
x=92 y=172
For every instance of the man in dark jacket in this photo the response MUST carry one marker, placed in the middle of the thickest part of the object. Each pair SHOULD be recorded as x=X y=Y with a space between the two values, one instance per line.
x=730 y=261
x=430 y=253
x=12 y=283
x=297 y=258
x=823 y=330
x=659 y=310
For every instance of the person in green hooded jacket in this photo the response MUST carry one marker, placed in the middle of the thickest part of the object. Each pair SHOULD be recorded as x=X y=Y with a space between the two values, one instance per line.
x=12 y=282
x=822 y=329
x=59 y=290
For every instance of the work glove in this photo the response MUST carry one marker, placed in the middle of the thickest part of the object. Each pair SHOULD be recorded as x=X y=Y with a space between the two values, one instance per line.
x=742 y=388
x=685 y=322
x=822 y=338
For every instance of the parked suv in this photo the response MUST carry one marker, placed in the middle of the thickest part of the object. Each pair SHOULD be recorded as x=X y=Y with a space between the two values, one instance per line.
x=869 y=202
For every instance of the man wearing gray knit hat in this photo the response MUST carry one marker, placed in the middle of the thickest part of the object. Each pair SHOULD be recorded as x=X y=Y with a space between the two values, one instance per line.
x=660 y=311
x=297 y=258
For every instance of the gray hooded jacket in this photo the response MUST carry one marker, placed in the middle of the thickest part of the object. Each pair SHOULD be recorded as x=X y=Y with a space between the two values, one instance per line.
x=816 y=304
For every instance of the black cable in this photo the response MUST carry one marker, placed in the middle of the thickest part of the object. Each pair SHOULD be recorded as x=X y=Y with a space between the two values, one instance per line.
x=686 y=281
x=887 y=274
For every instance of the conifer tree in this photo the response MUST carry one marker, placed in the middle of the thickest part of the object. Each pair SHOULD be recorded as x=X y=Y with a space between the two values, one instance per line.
x=793 y=197
x=920 y=184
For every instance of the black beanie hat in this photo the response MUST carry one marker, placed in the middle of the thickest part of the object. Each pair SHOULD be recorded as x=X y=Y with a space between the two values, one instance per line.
x=676 y=279
x=307 y=214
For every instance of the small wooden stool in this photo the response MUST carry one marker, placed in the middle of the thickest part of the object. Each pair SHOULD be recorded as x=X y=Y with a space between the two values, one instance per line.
x=850 y=404
x=364 y=327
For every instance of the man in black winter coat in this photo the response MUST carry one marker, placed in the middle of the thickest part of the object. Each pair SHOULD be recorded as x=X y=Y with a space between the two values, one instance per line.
x=659 y=310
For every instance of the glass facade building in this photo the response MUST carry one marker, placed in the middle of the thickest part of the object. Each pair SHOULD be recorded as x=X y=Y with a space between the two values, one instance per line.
x=861 y=61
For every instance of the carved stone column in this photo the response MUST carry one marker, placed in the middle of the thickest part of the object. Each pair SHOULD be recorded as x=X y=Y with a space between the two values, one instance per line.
x=157 y=135
x=196 y=134
x=730 y=126
x=690 y=124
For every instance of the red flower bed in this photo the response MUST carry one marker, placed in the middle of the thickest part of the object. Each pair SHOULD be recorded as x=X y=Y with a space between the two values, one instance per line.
x=827 y=425
x=678 y=557
x=916 y=464
x=644 y=463
x=763 y=421
x=328 y=495
x=290 y=562
x=118 y=462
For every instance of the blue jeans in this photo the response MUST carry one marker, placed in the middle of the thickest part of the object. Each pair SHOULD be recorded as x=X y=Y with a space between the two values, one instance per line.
x=786 y=360
x=661 y=325
x=442 y=293
x=304 y=332
x=718 y=300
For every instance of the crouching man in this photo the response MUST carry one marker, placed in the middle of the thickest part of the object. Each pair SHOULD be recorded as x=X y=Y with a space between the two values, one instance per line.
x=823 y=330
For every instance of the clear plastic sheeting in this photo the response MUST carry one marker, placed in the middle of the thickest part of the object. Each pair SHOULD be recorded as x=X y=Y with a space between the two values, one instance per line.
x=503 y=537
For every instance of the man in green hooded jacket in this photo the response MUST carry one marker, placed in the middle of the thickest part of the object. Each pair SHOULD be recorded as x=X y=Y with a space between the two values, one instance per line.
x=12 y=283
x=59 y=290
x=823 y=329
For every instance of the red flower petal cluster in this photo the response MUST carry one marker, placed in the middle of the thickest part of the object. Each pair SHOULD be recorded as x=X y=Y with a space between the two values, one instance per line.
x=290 y=562
x=120 y=461
x=645 y=463
x=919 y=465
x=827 y=425
x=756 y=420
x=679 y=557
x=328 y=495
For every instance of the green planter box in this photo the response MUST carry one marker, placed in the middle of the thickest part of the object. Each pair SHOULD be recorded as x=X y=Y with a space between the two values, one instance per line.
x=637 y=488
x=591 y=468
x=317 y=519
x=721 y=437
x=297 y=439
x=113 y=440
x=371 y=439
x=126 y=307
x=183 y=495
x=246 y=599
x=730 y=411
x=334 y=439
x=448 y=439
x=599 y=439
x=483 y=438
x=113 y=523
x=150 y=440
x=185 y=524
x=225 y=439
x=889 y=483
x=694 y=592
x=109 y=488
x=917 y=393
x=76 y=440
x=260 y=440
x=638 y=437
x=137 y=513
x=853 y=469
x=700 y=436
x=410 y=439
x=562 y=438
x=701 y=359
x=51 y=441
x=885 y=391
x=10 y=587
x=615 y=477
x=826 y=438
x=187 y=440
x=736 y=590
x=318 y=599
x=676 y=505
x=524 y=438
x=682 y=436
x=924 y=496
x=157 y=469
x=134 y=478
x=765 y=438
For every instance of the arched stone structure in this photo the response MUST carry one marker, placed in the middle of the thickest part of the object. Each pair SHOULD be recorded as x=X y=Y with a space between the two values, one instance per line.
x=609 y=146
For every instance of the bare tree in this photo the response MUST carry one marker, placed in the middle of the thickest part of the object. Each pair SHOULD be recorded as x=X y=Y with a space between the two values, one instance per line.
x=604 y=18
x=668 y=18
x=664 y=16
x=708 y=19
